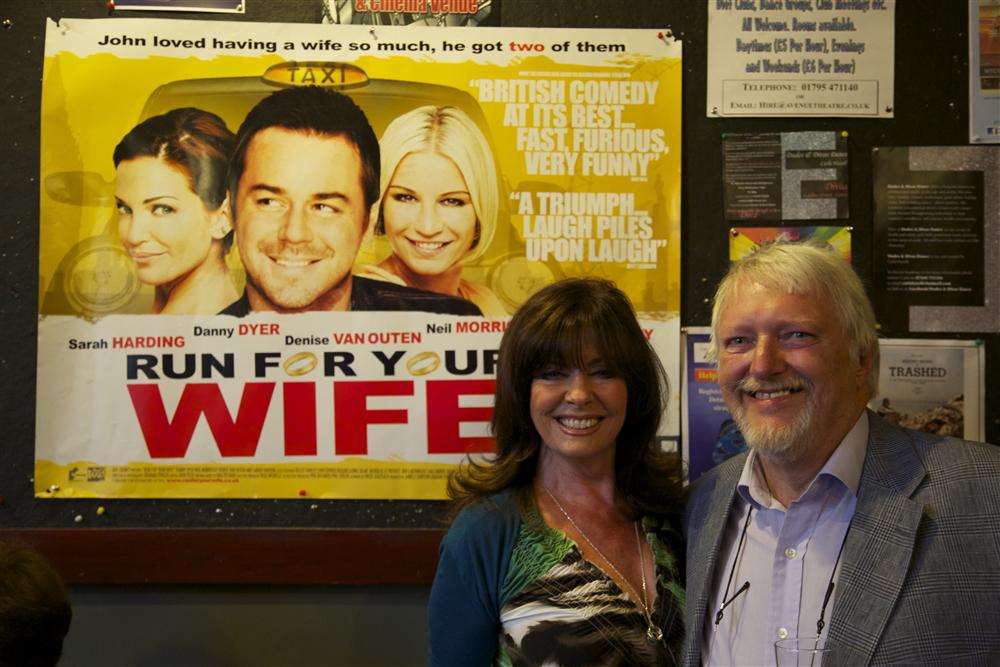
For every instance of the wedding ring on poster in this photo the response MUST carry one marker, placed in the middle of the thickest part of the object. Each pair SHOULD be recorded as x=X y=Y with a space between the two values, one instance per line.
x=300 y=363
x=423 y=363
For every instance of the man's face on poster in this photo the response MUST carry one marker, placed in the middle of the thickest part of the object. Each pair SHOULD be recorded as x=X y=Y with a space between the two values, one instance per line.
x=300 y=216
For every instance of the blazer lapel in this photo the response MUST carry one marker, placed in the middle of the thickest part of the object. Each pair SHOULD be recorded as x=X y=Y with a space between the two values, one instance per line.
x=705 y=530
x=879 y=544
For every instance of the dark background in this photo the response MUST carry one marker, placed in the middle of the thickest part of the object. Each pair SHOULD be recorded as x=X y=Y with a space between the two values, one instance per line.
x=262 y=624
x=931 y=80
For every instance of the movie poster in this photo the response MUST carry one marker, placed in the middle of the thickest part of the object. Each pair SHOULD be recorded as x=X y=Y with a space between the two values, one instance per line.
x=197 y=337
x=775 y=176
x=935 y=386
x=984 y=71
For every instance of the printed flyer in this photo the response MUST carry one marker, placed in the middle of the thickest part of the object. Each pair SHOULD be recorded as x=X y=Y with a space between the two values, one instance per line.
x=466 y=13
x=710 y=435
x=277 y=261
x=936 y=386
x=745 y=240
x=786 y=176
x=800 y=58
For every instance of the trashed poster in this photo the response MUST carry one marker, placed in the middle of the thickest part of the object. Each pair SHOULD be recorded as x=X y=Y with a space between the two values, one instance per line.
x=800 y=58
x=984 y=71
x=786 y=176
x=936 y=386
x=266 y=337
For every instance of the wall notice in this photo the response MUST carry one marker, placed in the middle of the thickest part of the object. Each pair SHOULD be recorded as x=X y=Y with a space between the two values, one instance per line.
x=800 y=58
x=984 y=71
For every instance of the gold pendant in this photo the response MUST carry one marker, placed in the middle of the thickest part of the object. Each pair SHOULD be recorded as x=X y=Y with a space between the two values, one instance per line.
x=654 y=633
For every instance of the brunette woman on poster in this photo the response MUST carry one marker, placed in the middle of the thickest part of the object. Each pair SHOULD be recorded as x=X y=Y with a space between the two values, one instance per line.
x=438 y=204
x=173 y=213
x=567 y=543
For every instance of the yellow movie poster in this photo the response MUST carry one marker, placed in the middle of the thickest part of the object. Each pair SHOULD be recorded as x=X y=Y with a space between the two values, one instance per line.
x=277 y=260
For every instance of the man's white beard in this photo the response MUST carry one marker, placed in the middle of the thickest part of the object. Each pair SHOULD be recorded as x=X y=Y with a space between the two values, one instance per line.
x=786 y=442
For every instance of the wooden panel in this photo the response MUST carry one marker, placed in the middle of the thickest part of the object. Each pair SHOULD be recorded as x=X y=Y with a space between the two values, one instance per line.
x=227 y=556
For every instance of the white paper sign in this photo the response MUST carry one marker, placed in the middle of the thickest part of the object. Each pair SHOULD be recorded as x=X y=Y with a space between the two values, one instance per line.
x=984 y=71
x=800 y=58
x=936 y=386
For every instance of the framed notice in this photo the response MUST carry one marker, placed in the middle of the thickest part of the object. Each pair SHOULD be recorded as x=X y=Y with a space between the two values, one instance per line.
x=786 y=176
x=936 y=386
x=800 y=58
x=295 y=386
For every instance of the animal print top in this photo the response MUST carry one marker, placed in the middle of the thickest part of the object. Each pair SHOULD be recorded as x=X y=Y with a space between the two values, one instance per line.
x=563 y=610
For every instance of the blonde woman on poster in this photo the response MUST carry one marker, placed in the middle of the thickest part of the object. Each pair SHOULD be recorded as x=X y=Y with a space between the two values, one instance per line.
x=438 y=205
x=173 y=213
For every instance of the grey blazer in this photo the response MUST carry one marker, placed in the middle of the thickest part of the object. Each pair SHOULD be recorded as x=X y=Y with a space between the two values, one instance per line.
x=920 y=572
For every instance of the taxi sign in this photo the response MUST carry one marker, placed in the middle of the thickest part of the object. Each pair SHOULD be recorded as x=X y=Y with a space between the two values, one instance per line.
x=326 y=74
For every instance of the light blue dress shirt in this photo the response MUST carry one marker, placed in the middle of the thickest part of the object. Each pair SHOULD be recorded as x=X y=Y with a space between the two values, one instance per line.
x=788 y=557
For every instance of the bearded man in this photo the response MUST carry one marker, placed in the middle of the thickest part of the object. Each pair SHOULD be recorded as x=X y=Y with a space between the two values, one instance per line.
x=882 y=541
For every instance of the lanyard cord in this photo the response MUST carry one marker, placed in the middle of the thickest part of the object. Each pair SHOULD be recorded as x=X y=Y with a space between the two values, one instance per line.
x=726 y=600
x=820 y=623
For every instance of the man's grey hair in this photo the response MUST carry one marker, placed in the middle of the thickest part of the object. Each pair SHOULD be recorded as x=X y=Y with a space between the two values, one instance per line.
x=808 y=269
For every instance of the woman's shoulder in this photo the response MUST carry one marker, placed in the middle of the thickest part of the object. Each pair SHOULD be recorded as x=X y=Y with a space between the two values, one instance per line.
x=498 y=511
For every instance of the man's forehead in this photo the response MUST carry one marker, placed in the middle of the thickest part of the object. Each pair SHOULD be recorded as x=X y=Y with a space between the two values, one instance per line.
x=303 y=162
x=278 y=136
x=789 y=302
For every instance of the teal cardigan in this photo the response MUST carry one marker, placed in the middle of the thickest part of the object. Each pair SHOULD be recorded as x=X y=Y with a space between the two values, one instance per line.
x=464 y=609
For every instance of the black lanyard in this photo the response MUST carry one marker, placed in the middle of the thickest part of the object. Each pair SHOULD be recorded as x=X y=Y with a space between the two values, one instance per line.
x=726 y=600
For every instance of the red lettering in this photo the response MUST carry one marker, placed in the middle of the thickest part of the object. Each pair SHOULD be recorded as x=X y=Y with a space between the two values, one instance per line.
x=444 y=415
x=352 y=416
x=166 y=438
x=300 y=418
x=529 y=46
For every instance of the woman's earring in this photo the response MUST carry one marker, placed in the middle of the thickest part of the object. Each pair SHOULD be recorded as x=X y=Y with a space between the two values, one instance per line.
x=221 y=225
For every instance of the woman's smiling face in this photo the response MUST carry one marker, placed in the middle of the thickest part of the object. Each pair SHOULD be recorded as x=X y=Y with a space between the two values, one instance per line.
x=163 y=224
x=578 y=412
x=428 y=214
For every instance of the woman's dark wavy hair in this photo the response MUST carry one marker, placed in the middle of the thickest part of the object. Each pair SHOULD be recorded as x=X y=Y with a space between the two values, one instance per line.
x=196 y=142
x=555 y=326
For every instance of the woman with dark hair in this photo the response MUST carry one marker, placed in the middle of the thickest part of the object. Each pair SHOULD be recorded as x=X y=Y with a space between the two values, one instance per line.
x=565 y=547
x=173 y=212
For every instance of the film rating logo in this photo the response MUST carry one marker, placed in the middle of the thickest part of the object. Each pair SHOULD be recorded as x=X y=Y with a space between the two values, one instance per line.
x=91 y=474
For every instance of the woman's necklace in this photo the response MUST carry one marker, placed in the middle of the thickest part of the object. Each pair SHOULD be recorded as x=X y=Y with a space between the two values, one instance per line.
x=653 y=633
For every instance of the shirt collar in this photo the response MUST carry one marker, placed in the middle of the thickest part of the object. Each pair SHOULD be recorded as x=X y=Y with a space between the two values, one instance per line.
x=844 y=465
